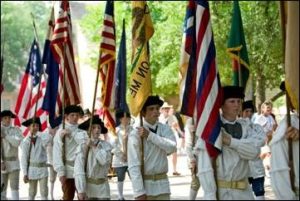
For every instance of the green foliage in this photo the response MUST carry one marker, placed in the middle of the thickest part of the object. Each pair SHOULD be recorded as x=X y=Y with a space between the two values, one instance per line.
x=261 y=26
x=17 y=35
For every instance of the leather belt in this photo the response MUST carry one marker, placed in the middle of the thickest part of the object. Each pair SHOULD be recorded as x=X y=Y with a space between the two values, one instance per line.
x=241 y=185
x=10 y=158
x=156 y=176
x=96 y=181
x=35 y=164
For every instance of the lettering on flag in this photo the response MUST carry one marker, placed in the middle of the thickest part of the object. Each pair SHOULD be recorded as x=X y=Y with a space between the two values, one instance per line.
x=140 y=80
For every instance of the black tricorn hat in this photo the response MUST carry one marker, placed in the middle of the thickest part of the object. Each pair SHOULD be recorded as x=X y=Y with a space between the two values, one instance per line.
x=248 y=105
x=121 y=113
x=232 y=92
x=153 y=100
x=73 y=109
x=282 y=86
x=8 y=113
x=96 y=120
x=31 y=121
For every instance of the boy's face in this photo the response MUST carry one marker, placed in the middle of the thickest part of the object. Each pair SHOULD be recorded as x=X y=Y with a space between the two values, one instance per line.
x=6 y=120
x=34 y=128
x=96 y=130
x=73 y=117
x=151 y=113
x=231 y=107
x=125 y=120
x=247 y=113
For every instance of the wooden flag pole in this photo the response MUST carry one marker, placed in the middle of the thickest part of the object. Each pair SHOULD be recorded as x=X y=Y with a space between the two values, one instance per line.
x=93 y=106
x=95 y=93
x=41 y=68
x=142 y=150
x=1 y=71
x=240 y=69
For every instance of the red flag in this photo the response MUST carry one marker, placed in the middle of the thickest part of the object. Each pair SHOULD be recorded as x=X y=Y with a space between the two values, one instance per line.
x=107 y=62
x=62 y=49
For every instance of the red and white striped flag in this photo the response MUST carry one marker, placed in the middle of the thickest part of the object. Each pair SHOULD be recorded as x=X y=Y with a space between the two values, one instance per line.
x=62 y=49
x=201 y=95
x=107 y=67
x=30 y=98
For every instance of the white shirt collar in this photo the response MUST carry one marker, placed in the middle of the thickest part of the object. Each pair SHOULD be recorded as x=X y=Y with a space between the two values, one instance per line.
x=225 y=121
x=149 y=125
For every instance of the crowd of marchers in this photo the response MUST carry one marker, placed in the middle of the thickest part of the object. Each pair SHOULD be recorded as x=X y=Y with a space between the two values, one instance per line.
x=80 y=154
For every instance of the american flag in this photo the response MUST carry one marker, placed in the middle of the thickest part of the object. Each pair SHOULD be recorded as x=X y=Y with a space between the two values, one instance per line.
x=201 y=89
x=30 y=94
x=107 y=60
x=62 y=49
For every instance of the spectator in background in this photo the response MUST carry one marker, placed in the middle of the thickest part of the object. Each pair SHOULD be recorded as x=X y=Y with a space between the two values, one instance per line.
x=266 y=120
x=166 y=117
x=179 y=127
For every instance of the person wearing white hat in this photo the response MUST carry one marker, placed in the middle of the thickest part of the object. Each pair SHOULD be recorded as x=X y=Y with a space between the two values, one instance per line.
x=11 y=138
x=170 y=120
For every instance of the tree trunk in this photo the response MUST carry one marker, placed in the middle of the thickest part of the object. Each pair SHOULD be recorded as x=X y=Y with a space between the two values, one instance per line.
x=260 y=90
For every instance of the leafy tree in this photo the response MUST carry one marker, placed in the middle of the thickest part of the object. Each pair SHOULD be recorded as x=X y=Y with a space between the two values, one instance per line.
x=262 y=32
x=17 y=35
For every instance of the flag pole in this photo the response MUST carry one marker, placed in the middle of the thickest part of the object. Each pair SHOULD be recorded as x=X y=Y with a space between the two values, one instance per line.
x=239 y=69
x=142 y=151
x=288 y=102
x=93 y=106
x=41 y=69
x=95 y=93
x=2 y=53
x=1 y=73
x=38 y=92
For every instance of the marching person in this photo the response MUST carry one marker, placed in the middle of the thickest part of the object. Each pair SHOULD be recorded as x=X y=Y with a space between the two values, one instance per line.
x=191 y=139
x=280 y=169
x=239 y=145
x=257 y=170
x=158 y=140
x=52 y=174
x=119 y=150
x=11 y=138
x=65 y=143
x=92 y=163
x=34 y=158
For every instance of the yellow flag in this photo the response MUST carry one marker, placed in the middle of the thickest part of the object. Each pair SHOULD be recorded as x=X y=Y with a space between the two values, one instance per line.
x=140 y=80
x=292 y=52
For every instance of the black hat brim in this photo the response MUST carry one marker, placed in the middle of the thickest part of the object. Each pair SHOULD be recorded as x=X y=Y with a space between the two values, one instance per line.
x=96 y=120
x=8 y=113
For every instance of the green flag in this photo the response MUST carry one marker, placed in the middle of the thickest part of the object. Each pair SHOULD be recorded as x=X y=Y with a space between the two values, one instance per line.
x=237 y=49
